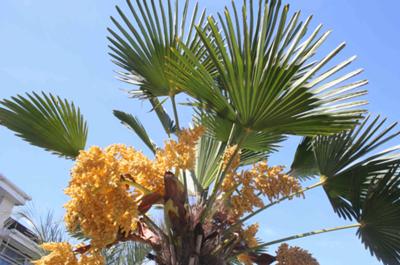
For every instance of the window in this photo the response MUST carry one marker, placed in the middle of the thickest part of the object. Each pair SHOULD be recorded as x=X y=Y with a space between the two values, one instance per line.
x=11 y=256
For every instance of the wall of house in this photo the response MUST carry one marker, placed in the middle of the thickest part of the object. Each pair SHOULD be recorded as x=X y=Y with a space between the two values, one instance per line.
x=6 y=207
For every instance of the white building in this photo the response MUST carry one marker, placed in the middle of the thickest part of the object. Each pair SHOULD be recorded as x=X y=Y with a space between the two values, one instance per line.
x=18 y=244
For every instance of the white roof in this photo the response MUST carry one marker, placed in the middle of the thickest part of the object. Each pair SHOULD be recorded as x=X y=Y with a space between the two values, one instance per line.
x=9 y=189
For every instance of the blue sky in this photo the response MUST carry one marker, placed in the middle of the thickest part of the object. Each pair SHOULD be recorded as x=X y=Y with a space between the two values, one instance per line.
x=60 y=47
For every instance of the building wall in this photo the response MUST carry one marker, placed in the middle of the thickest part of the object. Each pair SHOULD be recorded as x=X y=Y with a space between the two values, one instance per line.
x=6 y=207
x=16 y=248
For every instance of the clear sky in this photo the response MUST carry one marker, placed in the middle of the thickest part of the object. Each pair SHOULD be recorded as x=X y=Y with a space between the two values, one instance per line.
x=60 y=47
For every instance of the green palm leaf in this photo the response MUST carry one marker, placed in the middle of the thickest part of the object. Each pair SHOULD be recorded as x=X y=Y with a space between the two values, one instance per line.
x=304 y=165
x=264 y=79
x=127 y=253
x=257 y=141
x=46 y=121
x=142 y=45
x=135 y=125
x=345 y=162
x=166 y=121
x=209 y=152
x=380 y=218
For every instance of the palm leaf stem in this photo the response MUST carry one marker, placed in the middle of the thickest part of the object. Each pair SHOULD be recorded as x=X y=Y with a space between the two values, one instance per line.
x=162 y=115
x=312 y=233
x=241 y=221
x=220 y=180
x=175 y=112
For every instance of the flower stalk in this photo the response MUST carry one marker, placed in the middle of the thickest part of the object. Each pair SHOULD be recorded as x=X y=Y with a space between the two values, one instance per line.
x=312 y=233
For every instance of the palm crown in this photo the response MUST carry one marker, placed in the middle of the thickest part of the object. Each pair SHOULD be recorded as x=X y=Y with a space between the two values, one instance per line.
x=253 y=78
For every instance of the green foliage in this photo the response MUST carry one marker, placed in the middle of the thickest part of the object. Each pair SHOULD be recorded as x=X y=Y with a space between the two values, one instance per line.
x=142 y=47
x=167 y=123
x=345 y=160
x=127 y=253
x=256 y=141
x=209 y=152
x=379 y=216
x=46 y=121
x=46 y=228
x=134 y=124
x=304 y=165
x=263 y=78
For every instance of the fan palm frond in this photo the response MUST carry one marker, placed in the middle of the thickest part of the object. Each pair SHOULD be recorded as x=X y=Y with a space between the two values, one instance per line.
x=46 y=121
x=346 y=164
x=256 y=141
x=142 y=45
x=380 y=218
x=265 y=79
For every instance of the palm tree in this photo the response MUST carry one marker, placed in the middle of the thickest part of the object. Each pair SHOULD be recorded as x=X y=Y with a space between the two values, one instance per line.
x=253 y=78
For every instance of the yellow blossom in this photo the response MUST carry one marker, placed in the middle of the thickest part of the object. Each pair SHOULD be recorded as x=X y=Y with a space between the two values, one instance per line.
x=93 y=258
x=273 y=183
x=249 y=235
x=180 y=154
x=294 y=256
x=101 y=205
x=144 y=171
x=244 y=190
x=60 y=253
x=230 y=183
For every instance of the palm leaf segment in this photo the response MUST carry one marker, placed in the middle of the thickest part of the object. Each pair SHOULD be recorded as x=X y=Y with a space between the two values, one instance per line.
x=134 y=124
x=304 y=165
x=380 y=218
x=264 y=79
x=46 y=121
x=256 y=141
x=359 y=185
x=143 y=48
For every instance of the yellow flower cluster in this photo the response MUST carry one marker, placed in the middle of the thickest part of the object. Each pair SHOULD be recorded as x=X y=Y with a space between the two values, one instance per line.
x=180 y=155
x=247 y=197
x=249 y=235
x=145 y=172
x=294 y=256
x=94 y=258
x=229 y=184
x=101 y=205
x=273 y=183
x=249 y=185
x=62 y=253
